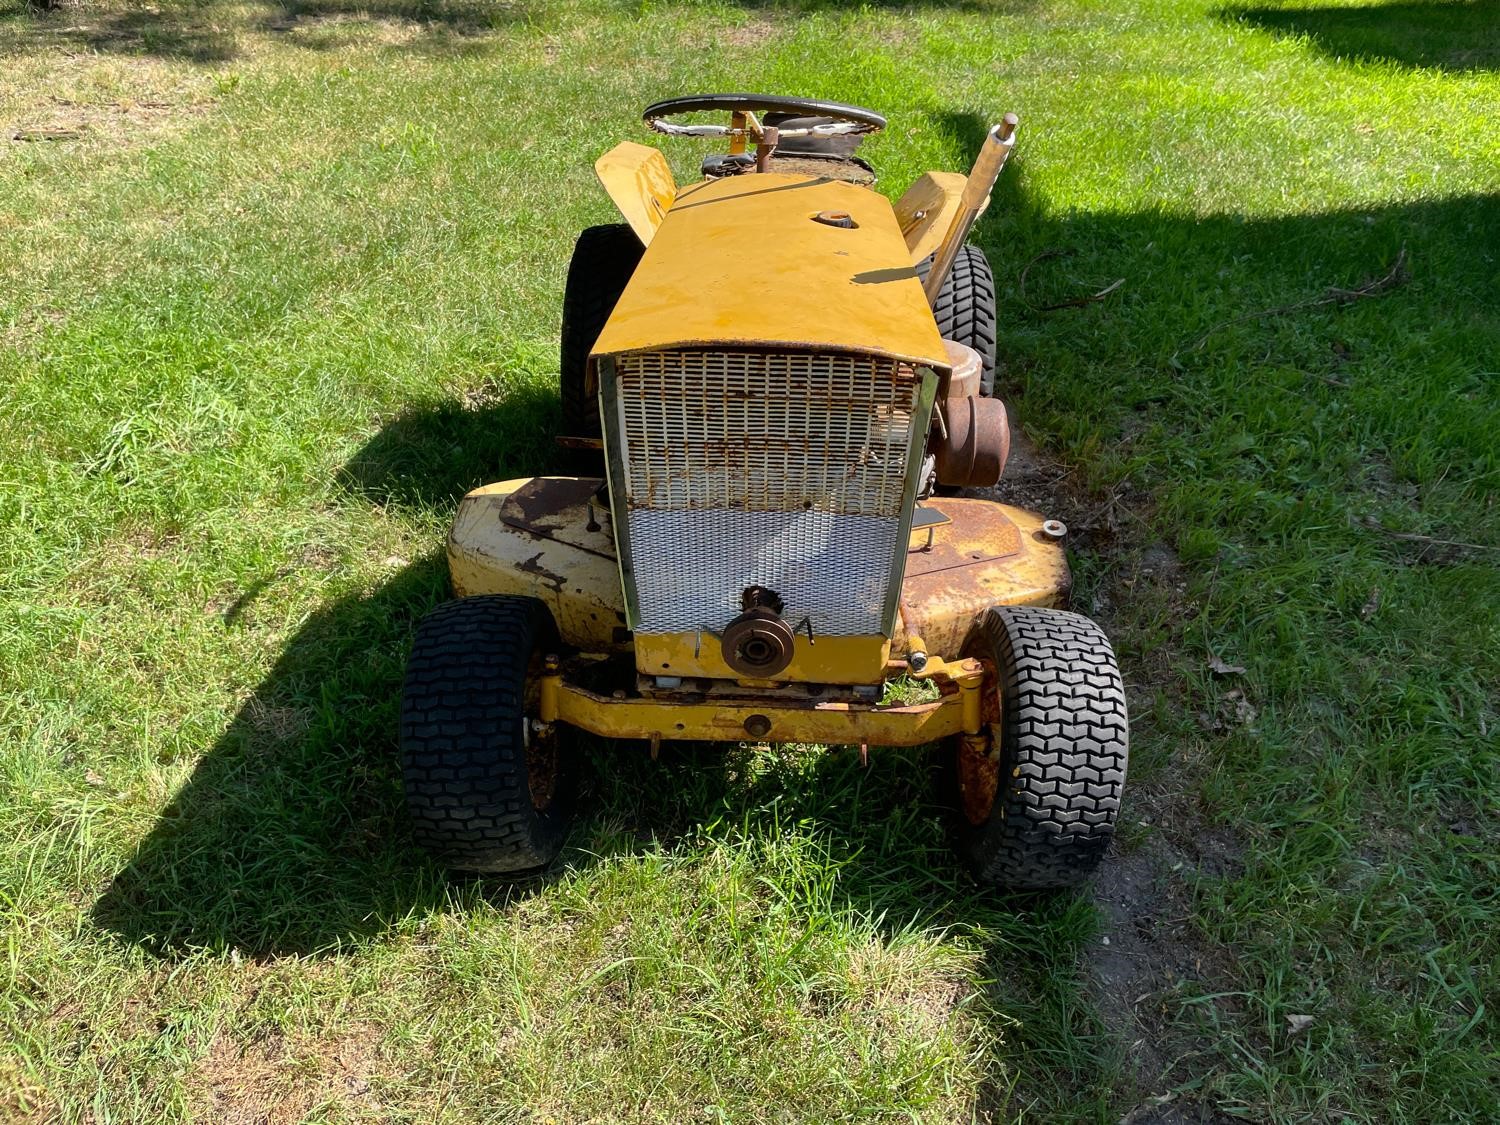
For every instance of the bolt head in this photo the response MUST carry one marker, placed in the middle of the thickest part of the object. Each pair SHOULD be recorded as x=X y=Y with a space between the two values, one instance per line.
x=1054 y=529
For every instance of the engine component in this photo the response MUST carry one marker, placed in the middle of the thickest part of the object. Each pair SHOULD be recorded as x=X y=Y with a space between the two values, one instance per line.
x=758 y=642
x=973 y=443
x=968 y=367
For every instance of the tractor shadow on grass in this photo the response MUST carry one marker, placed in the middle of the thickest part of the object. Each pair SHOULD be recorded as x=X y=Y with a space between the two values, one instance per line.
x=1431 y=33
x=290 y=836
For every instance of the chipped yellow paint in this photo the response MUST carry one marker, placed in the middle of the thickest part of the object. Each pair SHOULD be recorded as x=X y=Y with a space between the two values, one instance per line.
x=826 y=660
x=640 y=183
x=739 y=262
x=926 y=210
x=572 y=571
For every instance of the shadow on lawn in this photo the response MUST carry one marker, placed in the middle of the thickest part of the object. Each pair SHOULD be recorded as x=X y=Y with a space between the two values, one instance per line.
x=290 y=836
x=200 y=33
x=1437 y=33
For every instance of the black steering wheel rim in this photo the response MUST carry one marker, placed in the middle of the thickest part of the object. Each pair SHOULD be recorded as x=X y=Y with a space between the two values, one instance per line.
x=858 y=118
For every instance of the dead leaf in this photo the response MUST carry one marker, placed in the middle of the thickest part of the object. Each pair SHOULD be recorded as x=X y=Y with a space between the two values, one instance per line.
x=93 y=779
x=1220 y=668
x=1372 y=603
x=1244 y=711
x=1296 y=1023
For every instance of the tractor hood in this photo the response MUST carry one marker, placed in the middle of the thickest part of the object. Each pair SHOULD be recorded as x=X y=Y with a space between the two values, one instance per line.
x=742 y=262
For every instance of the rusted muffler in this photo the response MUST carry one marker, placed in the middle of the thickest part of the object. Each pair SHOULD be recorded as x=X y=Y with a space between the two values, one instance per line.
x=975 y=441
x=971 y=434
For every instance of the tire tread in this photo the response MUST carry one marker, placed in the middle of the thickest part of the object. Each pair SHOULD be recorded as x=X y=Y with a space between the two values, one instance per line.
x=463 y=748
x=1065 y=747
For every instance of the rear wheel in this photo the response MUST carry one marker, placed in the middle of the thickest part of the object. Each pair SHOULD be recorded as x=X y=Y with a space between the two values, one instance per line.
x=485 y=789
x=965 y=309
x=603 y=260
x=1038 y=810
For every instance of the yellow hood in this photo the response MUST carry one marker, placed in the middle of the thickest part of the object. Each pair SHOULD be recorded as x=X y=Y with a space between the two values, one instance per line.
x=740 y=262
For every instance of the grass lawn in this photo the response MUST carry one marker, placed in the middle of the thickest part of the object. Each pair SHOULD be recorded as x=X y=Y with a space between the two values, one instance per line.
x=279 y=282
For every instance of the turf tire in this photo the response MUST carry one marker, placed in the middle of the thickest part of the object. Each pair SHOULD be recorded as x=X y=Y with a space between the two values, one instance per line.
x=1064 y=744
x=604 y=258
x=965 y=309
x=464 y=737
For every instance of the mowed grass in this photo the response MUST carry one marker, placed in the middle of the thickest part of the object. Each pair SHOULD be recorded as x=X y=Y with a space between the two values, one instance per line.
x=278 y=283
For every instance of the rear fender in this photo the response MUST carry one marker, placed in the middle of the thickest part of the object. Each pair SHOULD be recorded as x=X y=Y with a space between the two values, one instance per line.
x=640 y=184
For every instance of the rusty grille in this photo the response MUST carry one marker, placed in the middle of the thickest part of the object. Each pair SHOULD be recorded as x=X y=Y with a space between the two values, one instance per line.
x=765 y=431
x=777 y=469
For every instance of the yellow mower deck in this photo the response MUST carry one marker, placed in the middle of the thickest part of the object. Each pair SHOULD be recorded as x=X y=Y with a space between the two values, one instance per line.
x=550 y=538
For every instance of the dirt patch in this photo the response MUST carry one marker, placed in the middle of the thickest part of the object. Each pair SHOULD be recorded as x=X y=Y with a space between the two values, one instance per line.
x=274 y=1081
x=118 y=122
x=31 y=326
x=1148 y=948
x=320 y=31
x=22 y=1098
x=754 y=33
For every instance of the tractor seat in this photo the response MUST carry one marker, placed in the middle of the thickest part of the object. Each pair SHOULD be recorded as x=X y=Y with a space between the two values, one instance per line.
x=830 y=157
x=824 y=156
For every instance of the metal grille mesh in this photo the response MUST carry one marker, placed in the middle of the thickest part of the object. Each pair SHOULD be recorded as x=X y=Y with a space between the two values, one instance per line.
x=766 y=431
x=783 y=470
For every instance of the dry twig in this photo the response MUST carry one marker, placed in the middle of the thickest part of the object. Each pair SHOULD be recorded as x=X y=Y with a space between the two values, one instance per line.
x=1396 y=276
x=1071 y=302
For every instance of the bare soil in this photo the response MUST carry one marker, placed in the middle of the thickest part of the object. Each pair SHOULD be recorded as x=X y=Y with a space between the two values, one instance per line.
x=1148 y=948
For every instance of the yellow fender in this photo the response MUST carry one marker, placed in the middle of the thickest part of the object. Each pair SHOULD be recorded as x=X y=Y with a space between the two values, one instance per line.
x=640 y=184
x=926 y=211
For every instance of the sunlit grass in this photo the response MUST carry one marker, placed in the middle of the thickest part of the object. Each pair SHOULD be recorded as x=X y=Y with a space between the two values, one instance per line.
x=277 y=283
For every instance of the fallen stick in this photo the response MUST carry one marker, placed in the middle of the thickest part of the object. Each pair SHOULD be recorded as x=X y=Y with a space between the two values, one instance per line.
x=1071 y=302
x=1393 y=278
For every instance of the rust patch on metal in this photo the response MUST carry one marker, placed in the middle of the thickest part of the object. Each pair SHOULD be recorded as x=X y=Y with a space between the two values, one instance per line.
x=541 y=770
x=544 y=505
x=979 y=757
x=974 y=531
x=978 y=778
x=973 y=442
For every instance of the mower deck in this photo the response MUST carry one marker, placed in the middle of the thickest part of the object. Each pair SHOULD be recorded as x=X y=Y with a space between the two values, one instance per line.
x=550 y=538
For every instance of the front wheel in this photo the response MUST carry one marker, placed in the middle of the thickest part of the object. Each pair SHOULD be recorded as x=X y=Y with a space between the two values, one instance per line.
x=1036 y=806
x=487 y=789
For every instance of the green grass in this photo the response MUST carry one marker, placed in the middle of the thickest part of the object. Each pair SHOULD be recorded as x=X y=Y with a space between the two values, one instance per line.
x=286 y=281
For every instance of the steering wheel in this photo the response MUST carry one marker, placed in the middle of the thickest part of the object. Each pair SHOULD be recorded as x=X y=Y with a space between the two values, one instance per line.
x=742 y=108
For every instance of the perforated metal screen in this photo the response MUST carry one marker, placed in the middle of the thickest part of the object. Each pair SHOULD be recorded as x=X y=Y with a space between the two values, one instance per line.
x=783 y=470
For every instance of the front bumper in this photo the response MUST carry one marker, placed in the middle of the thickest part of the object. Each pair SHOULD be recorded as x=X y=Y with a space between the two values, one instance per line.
x=701 y=717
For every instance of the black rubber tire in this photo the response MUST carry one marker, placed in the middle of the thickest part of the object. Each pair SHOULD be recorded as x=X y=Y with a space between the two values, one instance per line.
x=465 y=737
x=1064 y=745
x=604 y=258
x=965 y=309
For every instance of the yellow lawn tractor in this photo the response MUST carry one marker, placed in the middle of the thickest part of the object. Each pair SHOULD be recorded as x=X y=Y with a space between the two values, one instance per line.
x=776 y=384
